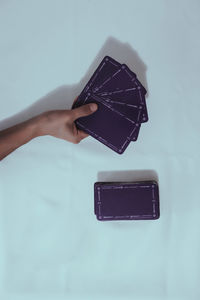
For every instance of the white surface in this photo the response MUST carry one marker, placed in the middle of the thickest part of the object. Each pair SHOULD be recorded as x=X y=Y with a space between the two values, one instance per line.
x=51 y=245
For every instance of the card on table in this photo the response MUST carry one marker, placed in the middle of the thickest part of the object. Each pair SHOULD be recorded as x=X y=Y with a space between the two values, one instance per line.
x=126 y=200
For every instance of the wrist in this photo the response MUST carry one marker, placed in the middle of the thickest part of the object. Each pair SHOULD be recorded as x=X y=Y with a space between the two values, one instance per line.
x=36 y=125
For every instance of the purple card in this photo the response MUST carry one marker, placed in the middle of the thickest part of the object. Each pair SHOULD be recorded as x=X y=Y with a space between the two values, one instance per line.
x=133 y=96
x=136 y=81
x=133 y=113
x=126 y=200
x=124 y=81
x=121 y=80
x=118 y=90
x=107 y=125
x=136 y=133
x=107 y=67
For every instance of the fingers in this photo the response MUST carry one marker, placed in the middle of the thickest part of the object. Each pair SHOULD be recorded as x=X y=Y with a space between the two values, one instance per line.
x=76 y=135
x=81 y=135
x=84 y=110
x=75 y=99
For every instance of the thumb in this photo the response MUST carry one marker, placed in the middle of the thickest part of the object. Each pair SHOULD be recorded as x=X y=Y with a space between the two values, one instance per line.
x=84 y=110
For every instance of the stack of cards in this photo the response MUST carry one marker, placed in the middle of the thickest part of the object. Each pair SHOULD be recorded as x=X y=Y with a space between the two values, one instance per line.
x=126 y=200
x=121 y=105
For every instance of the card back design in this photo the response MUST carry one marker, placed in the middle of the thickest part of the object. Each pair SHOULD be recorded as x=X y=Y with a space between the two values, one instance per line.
x=122 y=105
x=126 y=200
x=107 y=125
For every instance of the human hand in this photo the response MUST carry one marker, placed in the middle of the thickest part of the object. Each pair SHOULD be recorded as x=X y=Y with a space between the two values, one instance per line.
x=60 y=123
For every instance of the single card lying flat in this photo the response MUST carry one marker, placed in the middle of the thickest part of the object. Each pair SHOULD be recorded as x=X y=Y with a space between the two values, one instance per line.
x=126 y=200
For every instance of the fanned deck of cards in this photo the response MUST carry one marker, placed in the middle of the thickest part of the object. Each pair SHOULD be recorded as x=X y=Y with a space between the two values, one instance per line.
x=121 y=105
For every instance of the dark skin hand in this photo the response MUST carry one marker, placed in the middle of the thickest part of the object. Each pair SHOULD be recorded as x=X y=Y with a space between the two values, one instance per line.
x=57 y=123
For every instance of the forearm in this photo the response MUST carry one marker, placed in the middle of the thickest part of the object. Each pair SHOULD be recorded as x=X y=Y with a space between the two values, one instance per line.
x=57 y=123
x=18 y=135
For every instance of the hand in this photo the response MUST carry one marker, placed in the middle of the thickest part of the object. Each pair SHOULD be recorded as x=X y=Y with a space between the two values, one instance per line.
x=60 y=123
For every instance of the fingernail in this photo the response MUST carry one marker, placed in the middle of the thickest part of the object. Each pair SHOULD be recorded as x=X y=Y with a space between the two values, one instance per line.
x=93 y=106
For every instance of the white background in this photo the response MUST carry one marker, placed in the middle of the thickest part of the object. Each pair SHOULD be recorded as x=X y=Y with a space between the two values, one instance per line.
x=51 y=245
